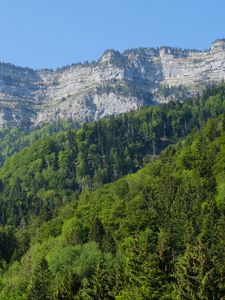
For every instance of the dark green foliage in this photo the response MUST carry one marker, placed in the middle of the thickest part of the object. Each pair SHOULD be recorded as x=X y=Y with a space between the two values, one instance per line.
x=8 y=243
x=156 y=234
x=196 y=274
x=40 y=283
x=97 y=232
x=66 y=288
x=100 y=286
x=50 y=172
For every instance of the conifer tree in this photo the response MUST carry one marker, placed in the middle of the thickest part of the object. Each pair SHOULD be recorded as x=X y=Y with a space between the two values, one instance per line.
x=101 y=285
x=67 y=289
x=40 y=282
x=196 y=274
x=97 y=231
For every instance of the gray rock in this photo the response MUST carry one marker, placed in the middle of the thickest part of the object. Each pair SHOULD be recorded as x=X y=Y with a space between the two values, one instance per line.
x=115 y=84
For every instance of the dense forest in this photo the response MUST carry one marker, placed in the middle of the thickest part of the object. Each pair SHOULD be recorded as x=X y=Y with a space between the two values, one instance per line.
x=76 y=224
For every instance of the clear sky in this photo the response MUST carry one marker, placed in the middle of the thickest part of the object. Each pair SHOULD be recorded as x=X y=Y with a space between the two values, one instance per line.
x=53 y=33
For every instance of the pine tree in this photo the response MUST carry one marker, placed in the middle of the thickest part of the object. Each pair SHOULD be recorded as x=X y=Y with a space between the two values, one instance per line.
x=68 y=288
x=97 y=231
x=40 y=282
x=145 y=280
x=100 y=286
x=196 y=275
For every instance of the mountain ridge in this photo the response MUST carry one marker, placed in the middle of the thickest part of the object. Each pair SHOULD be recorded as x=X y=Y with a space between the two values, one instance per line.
x=116 y=83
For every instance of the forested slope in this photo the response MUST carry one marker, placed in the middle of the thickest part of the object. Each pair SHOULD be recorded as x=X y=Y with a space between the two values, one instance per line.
x=13 y=140
x=46 y=174
x=156 y=234
x=170 y=120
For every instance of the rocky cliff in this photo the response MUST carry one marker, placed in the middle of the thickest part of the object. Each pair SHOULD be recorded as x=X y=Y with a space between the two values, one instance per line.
x=116 y=83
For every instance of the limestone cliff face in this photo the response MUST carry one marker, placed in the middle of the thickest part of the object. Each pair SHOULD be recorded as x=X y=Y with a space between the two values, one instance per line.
x=116 y=83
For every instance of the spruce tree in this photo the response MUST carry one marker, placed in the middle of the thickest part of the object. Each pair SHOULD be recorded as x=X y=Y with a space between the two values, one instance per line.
x=40 y=282
x=97 y=231
x=196 y=274
x=100 y=286
x=67 y=287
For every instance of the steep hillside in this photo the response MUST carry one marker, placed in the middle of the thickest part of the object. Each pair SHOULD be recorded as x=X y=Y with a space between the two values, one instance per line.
x=13 y=140
x=115 y=84
x=156 y=234
x=48 y=173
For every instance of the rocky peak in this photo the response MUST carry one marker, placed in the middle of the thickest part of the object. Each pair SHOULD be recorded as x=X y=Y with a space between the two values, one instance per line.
x=111 y=56
x=218 y=45
x=116 y=83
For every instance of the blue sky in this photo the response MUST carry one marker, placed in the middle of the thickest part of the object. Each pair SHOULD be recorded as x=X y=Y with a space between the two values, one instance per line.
x=53 y=33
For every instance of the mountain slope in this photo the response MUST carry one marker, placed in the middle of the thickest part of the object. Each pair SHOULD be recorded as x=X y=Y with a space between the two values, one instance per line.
x=156 y=234
x=51 y=171
x=115 y=84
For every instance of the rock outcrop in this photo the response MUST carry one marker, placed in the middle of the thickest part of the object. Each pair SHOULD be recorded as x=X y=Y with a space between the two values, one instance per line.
x=116 y=83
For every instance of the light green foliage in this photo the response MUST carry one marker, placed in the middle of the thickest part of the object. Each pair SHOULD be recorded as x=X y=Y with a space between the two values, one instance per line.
x=54 y=169
x=155 y=234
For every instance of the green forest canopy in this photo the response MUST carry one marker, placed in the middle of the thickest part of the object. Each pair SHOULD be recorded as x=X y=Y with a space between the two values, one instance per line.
x=157 y=234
